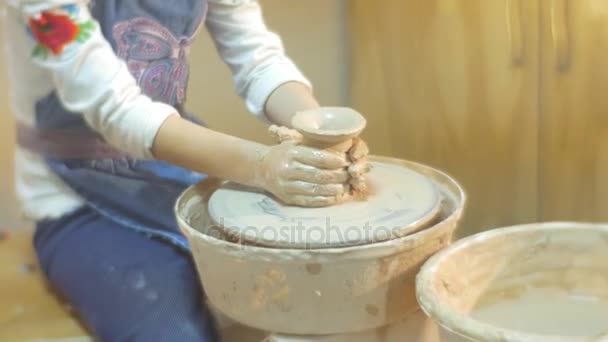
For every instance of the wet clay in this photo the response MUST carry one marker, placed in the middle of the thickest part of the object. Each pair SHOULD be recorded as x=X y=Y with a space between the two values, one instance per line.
x=546 y=311
x=355 y=150
x=329 y=126
x=281 y=134
x=359 y=169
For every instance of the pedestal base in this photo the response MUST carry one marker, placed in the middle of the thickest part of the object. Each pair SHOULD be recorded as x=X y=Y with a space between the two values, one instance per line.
x=416 y=328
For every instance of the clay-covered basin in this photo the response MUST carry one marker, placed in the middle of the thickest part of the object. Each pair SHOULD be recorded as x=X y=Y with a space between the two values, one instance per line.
x=314 y=291
x=530 y=283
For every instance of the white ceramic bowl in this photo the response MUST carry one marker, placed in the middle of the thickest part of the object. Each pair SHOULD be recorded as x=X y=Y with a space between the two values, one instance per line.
x=551 y=278
x=314 y=291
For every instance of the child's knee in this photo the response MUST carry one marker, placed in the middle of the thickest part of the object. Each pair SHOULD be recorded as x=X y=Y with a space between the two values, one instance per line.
x=177 y=329
x=162 y=316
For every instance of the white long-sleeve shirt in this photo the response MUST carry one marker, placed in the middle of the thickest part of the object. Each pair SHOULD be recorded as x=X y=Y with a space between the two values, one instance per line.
x=89 y=78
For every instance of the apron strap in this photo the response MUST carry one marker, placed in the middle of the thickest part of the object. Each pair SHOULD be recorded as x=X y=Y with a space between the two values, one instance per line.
x=60 y=144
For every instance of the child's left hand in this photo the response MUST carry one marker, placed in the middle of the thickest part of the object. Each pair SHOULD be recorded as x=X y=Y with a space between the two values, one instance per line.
x=358 y=155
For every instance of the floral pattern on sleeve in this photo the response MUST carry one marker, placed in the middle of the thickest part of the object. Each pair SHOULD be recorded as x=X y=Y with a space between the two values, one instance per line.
x=54 y=30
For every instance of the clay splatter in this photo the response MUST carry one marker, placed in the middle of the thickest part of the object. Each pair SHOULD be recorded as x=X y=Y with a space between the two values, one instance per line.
x=372 y=310
x=314 y=269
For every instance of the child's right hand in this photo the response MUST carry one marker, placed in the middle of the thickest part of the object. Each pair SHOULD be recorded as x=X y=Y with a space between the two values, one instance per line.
x=294 y=173
x=303 y=176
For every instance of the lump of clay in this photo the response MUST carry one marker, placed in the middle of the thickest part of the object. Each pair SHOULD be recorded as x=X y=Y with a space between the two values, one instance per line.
x=359 y=168
x=281 y=134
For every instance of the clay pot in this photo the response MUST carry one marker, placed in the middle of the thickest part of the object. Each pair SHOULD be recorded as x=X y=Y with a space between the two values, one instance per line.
x=331 y=128
x=530 y=276
x=314 y=291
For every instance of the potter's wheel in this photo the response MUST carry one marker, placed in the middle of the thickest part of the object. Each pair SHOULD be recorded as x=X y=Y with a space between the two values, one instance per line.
x=326 y=291
x=401 y=201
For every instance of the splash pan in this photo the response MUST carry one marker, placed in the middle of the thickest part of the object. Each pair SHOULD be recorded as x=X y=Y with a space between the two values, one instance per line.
x=314 y=291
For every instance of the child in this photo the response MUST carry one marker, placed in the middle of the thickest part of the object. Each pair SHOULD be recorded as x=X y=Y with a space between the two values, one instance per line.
x=105 y=146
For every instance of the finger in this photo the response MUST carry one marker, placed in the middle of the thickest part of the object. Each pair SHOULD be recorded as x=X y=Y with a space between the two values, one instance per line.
x=360 y=168
x=359 y=185
x=307 y=173
x=314 y=189
x=319 y=158
x=313 y=201
x=359 y=150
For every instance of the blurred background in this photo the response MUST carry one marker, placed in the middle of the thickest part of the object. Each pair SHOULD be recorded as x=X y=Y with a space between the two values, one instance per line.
x=508 y=96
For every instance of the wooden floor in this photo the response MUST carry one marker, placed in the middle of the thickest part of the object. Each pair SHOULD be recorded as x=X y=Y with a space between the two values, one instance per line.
x=30 y=312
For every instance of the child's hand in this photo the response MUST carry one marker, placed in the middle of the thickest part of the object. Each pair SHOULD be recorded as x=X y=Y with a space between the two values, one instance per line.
x=359 y=167
x=303 y=176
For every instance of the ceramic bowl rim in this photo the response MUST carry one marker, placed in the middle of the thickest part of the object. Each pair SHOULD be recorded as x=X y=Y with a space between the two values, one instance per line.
x=358 y=124
x=465 y=326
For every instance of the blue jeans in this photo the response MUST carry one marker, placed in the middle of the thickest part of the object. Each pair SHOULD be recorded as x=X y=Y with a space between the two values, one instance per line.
x=123 y=285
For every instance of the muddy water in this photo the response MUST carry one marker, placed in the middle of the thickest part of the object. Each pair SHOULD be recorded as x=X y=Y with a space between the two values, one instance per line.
x=547 y=312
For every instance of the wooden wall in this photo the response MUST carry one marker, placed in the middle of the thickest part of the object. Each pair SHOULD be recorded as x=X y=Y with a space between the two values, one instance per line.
x=573 y=141
x=472 y=88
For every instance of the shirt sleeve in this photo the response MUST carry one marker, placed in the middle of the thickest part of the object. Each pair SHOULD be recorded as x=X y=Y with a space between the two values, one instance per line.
x=88 y=76
x=255 y=55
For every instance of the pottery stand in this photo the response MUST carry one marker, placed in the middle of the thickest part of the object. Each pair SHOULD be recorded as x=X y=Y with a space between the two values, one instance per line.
x=320 y=292
x=415 y=328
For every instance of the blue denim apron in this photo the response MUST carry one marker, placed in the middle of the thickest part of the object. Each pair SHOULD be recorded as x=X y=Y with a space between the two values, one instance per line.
x=153 y=37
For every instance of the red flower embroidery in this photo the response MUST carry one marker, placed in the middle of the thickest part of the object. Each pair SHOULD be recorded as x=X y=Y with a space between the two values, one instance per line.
x=54 y=31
